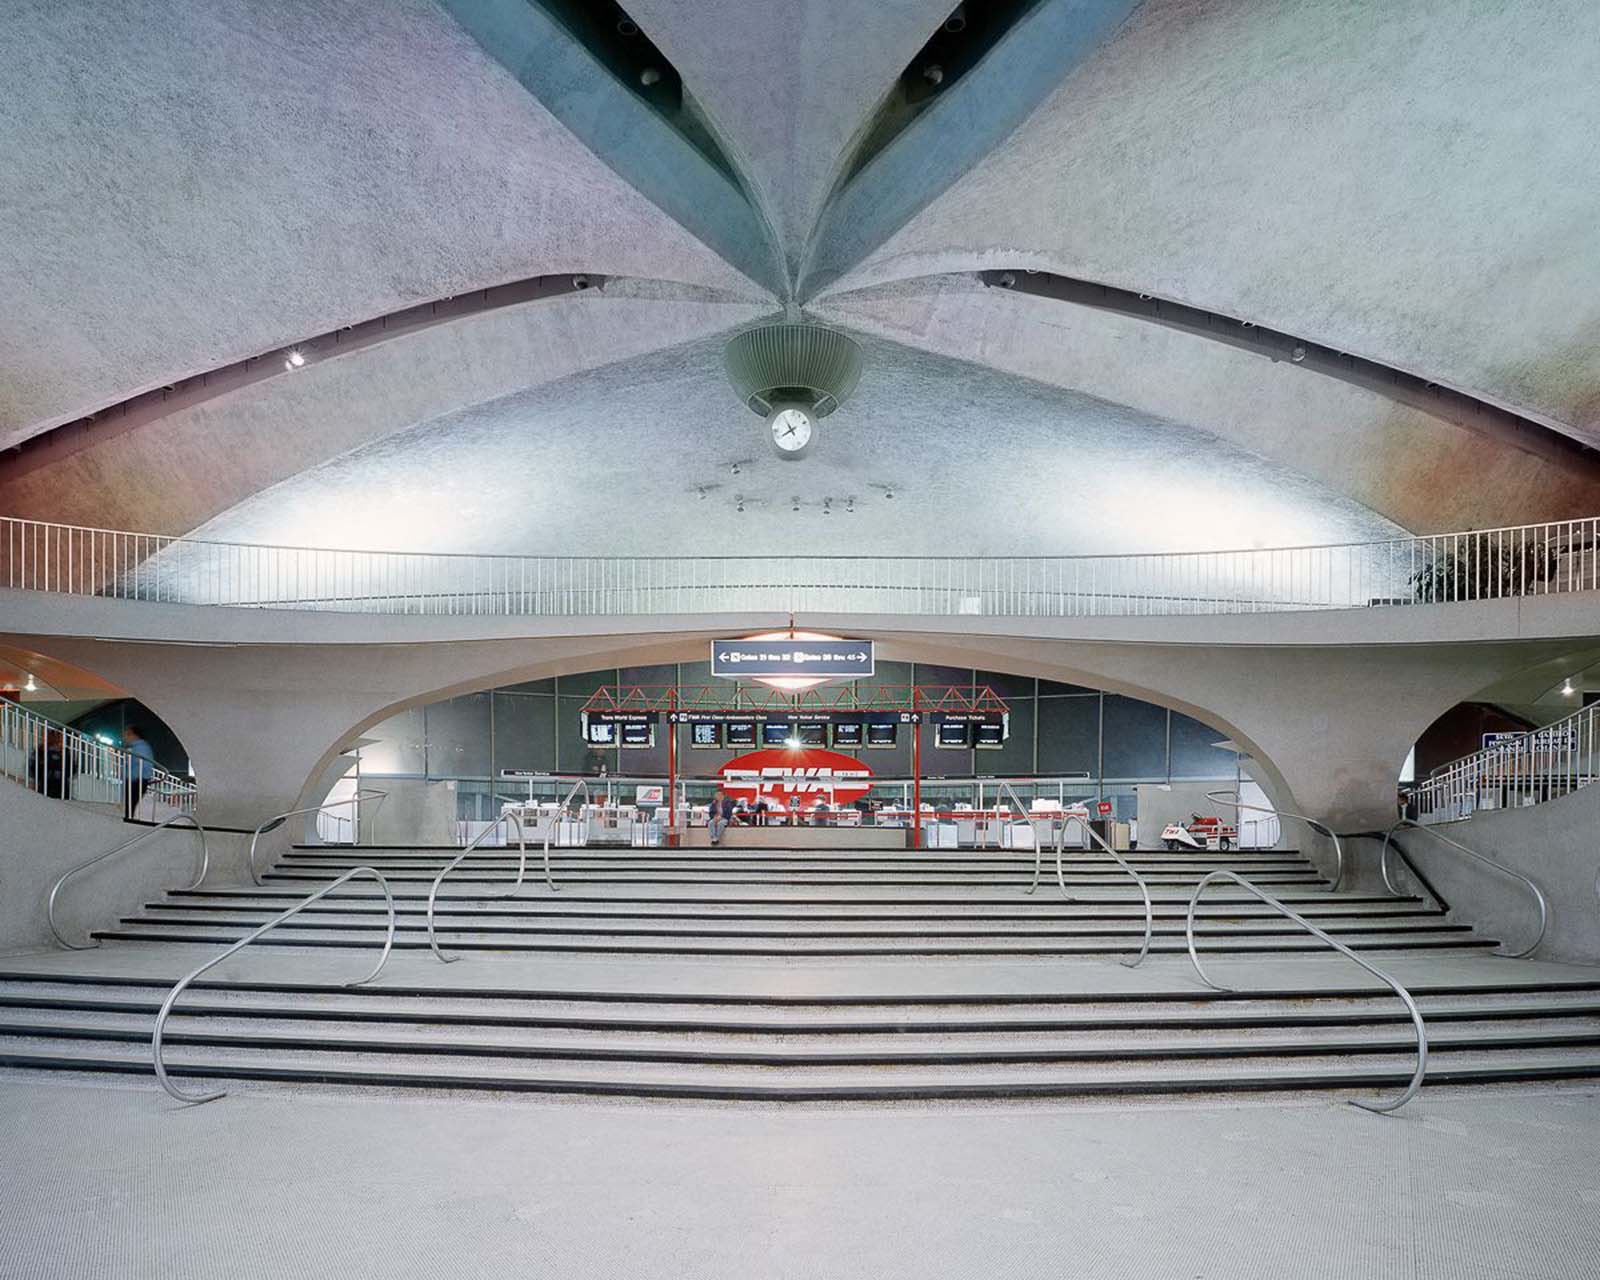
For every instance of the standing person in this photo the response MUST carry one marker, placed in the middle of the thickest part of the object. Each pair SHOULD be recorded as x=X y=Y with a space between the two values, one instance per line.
x=141 y=766
x=721 y=814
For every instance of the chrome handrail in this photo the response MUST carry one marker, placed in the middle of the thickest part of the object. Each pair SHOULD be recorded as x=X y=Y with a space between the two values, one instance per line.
x=1003 y=787
x=1061 y=880
x=1240 y=805
x=205 y=865
x=273 y=823
x=172 y=996
x=1394 y=984
x=1538 y=893
x=579 y=785
x=510 y=815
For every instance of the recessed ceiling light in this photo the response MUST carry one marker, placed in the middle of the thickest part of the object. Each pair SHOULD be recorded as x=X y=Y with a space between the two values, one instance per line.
x=295 y=360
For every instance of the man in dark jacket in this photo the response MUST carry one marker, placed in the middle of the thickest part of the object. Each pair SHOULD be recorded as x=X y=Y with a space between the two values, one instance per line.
x=721 y=814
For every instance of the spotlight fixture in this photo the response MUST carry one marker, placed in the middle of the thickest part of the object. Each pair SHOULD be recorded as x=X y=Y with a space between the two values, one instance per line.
x=295 y=359
x=650 y=76
x=1566 y=689
x=794 y=504
x=1298 y=354
x=30 y=686
x=933 y=73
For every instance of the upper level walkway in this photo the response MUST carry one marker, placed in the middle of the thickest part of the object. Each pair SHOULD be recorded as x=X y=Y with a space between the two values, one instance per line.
x=1487 y=565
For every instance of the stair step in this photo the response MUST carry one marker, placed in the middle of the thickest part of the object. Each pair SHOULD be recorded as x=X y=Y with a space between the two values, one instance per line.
x=289 y=936
x=1322 y=1075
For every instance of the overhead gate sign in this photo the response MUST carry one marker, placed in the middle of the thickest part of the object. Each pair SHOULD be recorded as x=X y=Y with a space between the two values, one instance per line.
x=826 y=659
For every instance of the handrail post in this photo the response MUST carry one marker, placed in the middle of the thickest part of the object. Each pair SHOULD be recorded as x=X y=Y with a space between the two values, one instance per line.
x=1538 y=894
x=277 y=820
x=55 y=889
x=1239 y=804
x=1060 y=833
x=510 y=815
x=172 y=996
x=1394 y=984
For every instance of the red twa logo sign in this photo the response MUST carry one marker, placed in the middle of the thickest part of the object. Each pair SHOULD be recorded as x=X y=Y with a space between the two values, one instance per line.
x=783 y=776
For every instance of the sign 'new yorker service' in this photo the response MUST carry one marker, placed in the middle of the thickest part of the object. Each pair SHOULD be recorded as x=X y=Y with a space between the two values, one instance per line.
x=753 y=659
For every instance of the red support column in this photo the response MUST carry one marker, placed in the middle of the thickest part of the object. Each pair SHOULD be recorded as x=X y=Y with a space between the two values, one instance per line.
x=916 y=779
x=672 y=770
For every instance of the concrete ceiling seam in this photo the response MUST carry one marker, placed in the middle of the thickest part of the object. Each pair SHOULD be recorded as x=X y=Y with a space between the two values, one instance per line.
x=38 y=450
x=261 y=433
x=1459 y=407
x=188 y=184
x=1424 y=473
x=556 y=69
x=809 y=75
x=956 y=133
x=1358 y=171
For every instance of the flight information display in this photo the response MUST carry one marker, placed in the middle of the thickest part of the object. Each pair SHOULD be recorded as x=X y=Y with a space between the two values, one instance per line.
x=953 y=734
x=882 y=733
x=741 y=733
x=812 y=733
x=991 y=735
x=775 y=733
x=849 y=733
x=705 y=735
x=638 y=735
x=603 y=734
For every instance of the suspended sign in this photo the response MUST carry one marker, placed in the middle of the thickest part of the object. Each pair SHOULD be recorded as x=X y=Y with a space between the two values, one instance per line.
x=796 y=778
x=816 y=659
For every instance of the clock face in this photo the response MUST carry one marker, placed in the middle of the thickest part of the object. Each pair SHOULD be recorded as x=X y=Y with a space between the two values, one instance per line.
x=791 y=431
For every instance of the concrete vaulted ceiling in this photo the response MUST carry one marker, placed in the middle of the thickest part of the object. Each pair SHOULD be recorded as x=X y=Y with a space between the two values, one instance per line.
x=191 y=183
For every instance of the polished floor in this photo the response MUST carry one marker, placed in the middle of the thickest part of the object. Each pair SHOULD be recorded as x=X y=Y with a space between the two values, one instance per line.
x=117 y=1180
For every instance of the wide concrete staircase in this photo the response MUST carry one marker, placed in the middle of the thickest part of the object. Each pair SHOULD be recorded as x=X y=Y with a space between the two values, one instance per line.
x=799 y=976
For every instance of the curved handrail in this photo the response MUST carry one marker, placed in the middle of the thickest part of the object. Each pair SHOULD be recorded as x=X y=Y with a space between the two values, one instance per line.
x=172 y=996
x=1061 y=881
x=579 y=785
x=510 y=815
x=205 y=865
x=273 y=823
x=1538 y=893
x=1394 y=984
x=1239 y=805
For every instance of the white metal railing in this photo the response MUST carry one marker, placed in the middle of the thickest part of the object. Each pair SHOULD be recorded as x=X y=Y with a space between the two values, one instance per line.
x=67 y=764
x=1480 y=565
x=1531 y=768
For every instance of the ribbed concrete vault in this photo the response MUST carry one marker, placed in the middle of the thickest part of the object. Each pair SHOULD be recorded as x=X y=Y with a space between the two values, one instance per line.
x=188 y=185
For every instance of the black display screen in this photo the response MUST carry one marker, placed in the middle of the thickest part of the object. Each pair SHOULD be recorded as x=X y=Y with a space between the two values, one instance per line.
x=775 y=733
x=705 y=735
x=741 y=733
x=954 y=734
x=848 y=733
x=991 y=736
x=601 y=735
x=638 y=735
x=812 y=733
x=882 y=733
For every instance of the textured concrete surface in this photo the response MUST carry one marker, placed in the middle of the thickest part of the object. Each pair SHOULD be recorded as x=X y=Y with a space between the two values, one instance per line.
x=239 y=446
x=122 y=1182
x=1414 y=183
x=638 y=458
x=810 y=74
x=1398 y=461
x=189 y=184
x=782 y=977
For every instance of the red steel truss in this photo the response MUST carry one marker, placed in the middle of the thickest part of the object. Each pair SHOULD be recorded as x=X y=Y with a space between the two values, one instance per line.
x=969 y=698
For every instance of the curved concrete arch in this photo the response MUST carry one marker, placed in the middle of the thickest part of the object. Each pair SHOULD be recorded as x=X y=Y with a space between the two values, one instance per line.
x=900 y=647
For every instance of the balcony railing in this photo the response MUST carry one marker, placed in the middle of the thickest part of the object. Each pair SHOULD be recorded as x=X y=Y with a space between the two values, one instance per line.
x=1445 y=568
x=1542 y=764
x=66 y=764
